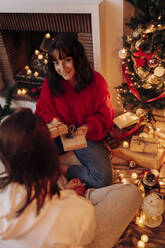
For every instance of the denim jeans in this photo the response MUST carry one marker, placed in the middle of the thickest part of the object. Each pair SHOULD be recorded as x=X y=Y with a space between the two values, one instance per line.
x=95 y=169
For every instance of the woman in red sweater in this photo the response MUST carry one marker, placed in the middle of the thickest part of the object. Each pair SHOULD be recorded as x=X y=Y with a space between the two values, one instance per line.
x=75 y=94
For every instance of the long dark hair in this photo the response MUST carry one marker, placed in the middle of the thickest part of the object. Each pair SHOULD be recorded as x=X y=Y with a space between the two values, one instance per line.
x=68 y=45
x=29 y=156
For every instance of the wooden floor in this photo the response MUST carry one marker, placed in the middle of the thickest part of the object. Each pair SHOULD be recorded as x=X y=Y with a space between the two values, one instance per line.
x=131 y=236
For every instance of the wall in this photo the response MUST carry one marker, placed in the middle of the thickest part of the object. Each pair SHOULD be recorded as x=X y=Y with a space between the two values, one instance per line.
x=113 y=15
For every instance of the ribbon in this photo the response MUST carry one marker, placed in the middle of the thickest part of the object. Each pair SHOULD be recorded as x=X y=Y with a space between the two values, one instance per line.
x=142 y=57
x=129 y=82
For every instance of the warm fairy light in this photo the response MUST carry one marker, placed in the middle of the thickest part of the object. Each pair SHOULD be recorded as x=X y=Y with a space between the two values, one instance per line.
x=123 y=53
x=134 y=175
x=29 y=72
x=26 y=67
x=140 y=221
x=140 y=244
x=45 y=61
x=125 y=144
x=36 y=74
x=47 y=36
x=144 y=238
x=40 y=56
x=37 y=52
x=124 y=181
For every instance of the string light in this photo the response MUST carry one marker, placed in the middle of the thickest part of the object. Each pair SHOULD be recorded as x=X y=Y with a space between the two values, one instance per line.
x=140 y=244
x=144 y=238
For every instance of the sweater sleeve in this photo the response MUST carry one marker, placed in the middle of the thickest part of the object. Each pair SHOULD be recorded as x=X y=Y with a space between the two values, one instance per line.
x=75 y=224
x=44 y=106
x=100 y=122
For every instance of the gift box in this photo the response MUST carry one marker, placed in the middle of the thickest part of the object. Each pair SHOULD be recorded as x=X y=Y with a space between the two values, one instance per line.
x=147 y=160
x=76 y=142
x=125 y=120
x=144 y=144
x=57 y=128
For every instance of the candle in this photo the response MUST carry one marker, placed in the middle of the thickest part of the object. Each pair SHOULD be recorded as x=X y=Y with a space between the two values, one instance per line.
x=26 y=67
x=19 y=92
x=47 y=36
x=36 y=74
x=45 y=61
x=40 y=56
x=37 y=52
x=24 y=91
x=29 y=72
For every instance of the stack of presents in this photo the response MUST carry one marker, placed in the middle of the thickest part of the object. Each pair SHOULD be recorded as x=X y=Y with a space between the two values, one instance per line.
x=140 y=140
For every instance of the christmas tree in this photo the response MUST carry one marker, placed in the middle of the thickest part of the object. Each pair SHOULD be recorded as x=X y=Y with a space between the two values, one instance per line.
x=143 y=58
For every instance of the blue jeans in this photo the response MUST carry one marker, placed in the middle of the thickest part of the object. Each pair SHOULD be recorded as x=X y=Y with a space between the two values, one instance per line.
x=95 y=169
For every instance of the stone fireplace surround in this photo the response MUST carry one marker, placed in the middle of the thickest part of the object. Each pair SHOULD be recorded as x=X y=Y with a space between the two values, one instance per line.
x=61 y=7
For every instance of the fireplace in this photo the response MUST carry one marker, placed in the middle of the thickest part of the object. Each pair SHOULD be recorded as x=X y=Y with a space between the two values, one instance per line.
x=22 y=32
x=23 y=25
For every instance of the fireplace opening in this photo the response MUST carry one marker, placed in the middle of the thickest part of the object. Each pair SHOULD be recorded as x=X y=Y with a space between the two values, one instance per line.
x=23 y=58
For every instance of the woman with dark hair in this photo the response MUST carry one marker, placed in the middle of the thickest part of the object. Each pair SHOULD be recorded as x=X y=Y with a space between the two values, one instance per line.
x=35 y=213
x=73 y=93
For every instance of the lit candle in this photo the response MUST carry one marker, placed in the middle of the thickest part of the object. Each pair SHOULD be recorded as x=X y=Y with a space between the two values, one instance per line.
x=24 y=91
x=36 y=74
x=37 y=52
x=19 y=92
x=26 y=67
x=47 y=36
x=29 y=72
x=45 y=61
x=40 y=56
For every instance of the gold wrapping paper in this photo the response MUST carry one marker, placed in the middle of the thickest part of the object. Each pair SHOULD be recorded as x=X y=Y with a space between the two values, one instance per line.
x=77 y=142
x=57 y=128
x=144 y=144
x=146 y=160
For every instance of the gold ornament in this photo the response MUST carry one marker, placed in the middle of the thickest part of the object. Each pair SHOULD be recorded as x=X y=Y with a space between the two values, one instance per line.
x=132 y=164
x=150 y=29
x=159 y=71
x=152 y=79
x=147 y=86
x=141 y=72
x=138 y=43
x=140 y=112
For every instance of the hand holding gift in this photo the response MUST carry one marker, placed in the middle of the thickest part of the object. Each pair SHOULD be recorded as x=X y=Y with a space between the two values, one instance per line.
x=75 y=139
x=57 y=128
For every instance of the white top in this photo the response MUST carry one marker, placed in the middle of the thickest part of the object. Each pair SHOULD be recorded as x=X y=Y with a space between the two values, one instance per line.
x=65 y=222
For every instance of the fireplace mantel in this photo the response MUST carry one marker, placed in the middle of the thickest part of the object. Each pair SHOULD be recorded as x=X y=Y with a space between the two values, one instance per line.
x=61 y=6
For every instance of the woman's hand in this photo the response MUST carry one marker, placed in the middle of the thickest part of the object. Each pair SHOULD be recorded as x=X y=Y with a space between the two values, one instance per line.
x=84 y=129
x=76 y=185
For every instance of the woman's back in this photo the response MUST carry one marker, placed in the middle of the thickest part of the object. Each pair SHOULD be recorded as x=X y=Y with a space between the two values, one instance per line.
x=65 y=220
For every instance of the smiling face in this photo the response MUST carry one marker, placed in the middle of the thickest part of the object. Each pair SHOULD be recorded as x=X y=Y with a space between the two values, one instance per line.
x=64 y=66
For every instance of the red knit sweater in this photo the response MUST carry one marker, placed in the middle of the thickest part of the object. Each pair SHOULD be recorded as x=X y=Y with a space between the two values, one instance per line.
x=91 y=107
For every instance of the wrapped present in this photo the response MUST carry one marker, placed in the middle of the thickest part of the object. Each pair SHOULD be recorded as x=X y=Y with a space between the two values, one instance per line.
x=125 y=120
x=144 y=144
x=77 y=141
x=146 y=160
x=57 y=128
